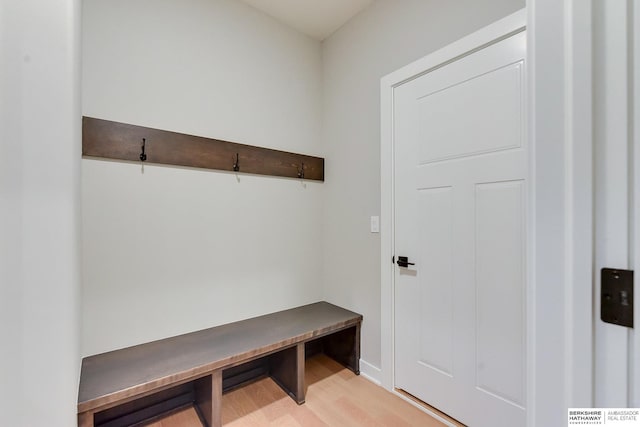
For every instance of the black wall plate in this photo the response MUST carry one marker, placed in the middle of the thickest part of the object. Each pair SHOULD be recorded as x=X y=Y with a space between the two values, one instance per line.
x=616 y=297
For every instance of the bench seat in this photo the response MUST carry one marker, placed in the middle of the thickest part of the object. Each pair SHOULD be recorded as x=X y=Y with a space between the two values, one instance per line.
x=199 y=358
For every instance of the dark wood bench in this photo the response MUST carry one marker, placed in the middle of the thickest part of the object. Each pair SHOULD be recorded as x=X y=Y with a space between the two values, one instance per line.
x=136 y=384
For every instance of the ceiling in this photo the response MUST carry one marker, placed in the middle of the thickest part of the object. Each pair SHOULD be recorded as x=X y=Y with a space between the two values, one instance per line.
x=316 y=18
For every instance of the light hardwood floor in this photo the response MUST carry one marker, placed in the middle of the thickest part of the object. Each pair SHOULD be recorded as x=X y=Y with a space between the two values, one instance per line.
x=335 y=397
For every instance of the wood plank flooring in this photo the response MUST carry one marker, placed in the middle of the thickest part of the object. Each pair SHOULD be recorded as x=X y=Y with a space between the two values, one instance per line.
x=335 y=397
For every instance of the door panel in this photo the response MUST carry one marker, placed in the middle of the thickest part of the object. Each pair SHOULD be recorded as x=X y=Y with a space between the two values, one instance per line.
x=460 y=190
x=450 y=139
x=436 y=308
x=500 y=282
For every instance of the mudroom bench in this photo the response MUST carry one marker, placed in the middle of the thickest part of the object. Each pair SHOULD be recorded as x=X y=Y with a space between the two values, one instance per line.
x=142 y=383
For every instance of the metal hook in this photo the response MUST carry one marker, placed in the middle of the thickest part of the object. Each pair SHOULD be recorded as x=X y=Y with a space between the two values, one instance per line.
x=236 y=165
x=301 y=172
x=143 y=156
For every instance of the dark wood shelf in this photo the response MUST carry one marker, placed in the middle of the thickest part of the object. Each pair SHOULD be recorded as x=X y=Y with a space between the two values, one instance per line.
x=121 y=141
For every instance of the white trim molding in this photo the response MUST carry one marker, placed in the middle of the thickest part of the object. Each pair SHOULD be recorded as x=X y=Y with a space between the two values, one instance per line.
x=580 y=199
x=370 y=372
x=634 y=397
x=560 y=130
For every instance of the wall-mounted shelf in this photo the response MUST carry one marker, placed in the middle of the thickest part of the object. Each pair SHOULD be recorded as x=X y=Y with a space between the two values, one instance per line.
x=121 y=141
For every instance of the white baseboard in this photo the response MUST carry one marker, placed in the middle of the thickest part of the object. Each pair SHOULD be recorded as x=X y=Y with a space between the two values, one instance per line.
x=370 y=372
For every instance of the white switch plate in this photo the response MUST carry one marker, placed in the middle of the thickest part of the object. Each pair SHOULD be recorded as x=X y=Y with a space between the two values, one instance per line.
x=375 y=224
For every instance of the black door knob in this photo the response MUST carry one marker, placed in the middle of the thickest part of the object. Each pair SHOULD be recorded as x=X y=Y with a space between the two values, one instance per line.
x=403 y=261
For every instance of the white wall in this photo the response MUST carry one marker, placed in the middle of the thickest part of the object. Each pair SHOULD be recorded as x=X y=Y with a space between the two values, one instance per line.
x=385 y=37
x=39 y=212
x=221 y=69
x=174 y=249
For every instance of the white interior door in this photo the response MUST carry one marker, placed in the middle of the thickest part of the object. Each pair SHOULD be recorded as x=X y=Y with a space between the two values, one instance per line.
x=461 y=160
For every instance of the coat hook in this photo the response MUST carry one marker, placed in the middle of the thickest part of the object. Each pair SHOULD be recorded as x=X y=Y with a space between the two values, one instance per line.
x=301 y=172
x=143 y=156
x=236 y=165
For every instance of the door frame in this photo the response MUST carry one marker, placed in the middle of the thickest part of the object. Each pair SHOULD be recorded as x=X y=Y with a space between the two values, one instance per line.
x=559 y=320
x=613 y=189
x=634 y=398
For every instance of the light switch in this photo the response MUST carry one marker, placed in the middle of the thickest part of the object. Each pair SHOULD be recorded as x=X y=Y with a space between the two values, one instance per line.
x=375 y=224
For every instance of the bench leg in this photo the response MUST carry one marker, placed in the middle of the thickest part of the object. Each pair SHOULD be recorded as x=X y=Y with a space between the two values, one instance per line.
x=85 y=419
x=344 y=347
x=287 y=369
x=209 y=398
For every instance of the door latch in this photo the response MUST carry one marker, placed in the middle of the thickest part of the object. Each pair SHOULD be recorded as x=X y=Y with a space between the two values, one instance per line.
x=616 y=297
x=403 y=261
